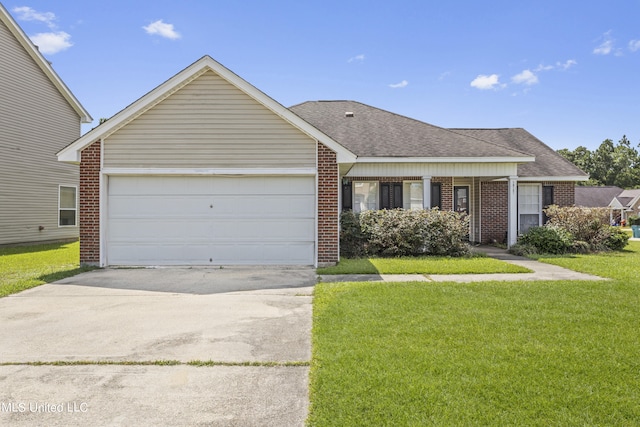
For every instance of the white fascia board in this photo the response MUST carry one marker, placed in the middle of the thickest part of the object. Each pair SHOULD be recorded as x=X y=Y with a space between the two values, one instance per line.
x=553 y=178
x=44 y=65
x=205 y=171
x=445 y=159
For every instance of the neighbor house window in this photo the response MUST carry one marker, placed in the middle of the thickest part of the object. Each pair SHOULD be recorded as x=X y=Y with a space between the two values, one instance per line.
x=365 y=196
x=529 y=206
x=412 y=195
x=67 y=206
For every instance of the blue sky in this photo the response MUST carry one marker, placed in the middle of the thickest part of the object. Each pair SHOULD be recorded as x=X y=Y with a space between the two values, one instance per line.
x=566 y=71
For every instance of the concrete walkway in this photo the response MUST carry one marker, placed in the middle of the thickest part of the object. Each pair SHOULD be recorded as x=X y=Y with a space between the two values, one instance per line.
x=540 y=271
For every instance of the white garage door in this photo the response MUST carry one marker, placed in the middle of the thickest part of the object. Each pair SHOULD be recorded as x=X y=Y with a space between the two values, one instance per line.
x=170 y=220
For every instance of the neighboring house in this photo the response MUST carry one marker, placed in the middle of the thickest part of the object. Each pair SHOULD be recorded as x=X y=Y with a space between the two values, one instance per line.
x=621 y=203
x=208 y=170
x=627 y=203
x=596 y=196
x=38 y=117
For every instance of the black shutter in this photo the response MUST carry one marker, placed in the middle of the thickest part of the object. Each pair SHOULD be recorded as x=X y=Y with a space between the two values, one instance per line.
x=385 y=195
x=547 y=200
x=397 y=195
x=436 y=194
x=347 y=197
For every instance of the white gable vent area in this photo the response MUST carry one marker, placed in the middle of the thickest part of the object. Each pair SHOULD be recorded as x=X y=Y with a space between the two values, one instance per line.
x=210 y=220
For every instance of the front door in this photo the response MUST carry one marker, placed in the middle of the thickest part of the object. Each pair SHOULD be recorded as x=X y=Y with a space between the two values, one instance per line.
x=461 y=199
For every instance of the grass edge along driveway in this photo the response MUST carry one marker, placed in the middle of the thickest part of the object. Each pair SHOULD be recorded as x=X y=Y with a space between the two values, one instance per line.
x=493 y=353
x=423 y=265
x=25 y=267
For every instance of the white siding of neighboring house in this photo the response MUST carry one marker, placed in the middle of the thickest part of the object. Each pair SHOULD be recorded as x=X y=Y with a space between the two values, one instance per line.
x=35 y=123
x=209 y=123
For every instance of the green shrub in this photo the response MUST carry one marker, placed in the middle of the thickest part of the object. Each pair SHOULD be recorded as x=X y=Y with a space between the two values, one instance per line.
x=548 y=240
x=401 y=232
x=617 y=239
x=352 y=241
x=590 y=225
x=520 y=249
x=580 y=247
x=633 y=220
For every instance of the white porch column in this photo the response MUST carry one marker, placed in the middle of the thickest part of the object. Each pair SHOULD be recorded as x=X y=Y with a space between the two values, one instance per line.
x=512 y=229
x=426 y=192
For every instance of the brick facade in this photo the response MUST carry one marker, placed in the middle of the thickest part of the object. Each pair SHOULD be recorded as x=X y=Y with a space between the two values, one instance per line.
x=90 y=205
x=328 y=215
x=564 y=193
x=494 y=211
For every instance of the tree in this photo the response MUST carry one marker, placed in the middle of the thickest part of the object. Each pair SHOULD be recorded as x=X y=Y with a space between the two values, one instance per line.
x=609 y=164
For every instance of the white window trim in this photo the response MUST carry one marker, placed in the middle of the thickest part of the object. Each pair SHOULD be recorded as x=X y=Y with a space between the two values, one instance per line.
x=353 y=194
x=539 y=210
x=75 y=209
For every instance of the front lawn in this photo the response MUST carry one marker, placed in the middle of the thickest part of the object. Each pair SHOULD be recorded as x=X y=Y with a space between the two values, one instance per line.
x=423 y=265
x=492 y=353
x=24 y=267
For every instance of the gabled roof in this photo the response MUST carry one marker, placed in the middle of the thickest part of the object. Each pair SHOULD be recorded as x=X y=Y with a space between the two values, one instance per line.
x=71 y=153
x=595 y=197
x=549 y=165
x=44 y=65
x=372 y=133
x=626 y=199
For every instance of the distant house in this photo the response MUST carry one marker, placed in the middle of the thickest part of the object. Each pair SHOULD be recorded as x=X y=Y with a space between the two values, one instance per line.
x=38 y=117
x=596 y=196
x=627 y=203
x=207 y=170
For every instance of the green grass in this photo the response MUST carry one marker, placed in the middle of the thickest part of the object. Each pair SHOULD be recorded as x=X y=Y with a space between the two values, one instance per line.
x=423 y=265
x=493 y=353
x=24 y=267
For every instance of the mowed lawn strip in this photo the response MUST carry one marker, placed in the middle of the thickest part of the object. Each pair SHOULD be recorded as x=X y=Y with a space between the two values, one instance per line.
x=423 y=265
x=493 y=353
x=24 y=267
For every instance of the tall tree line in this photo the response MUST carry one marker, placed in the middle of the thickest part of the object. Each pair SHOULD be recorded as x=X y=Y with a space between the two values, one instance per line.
x=610 y=164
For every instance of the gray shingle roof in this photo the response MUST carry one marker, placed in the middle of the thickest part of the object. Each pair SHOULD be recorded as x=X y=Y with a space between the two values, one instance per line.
x=548 y=162
x=595 y=197
x=372 y=132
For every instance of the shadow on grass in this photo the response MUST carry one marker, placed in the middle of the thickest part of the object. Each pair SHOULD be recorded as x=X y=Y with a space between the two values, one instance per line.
x=33 y=248
x=351 y=266
x=59 y=275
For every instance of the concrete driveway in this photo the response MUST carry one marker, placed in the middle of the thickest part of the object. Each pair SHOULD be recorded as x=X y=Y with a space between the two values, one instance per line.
x=247 y=317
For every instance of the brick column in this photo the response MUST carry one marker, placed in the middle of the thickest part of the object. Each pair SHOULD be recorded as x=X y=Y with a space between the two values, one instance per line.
x=494 y=212
x=328 y=215
x=90 y=205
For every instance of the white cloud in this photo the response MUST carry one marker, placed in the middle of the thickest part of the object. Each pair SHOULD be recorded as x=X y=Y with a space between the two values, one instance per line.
x=634 y=45
x=403 y=83
x=484 y=82
x=543 y=68
x=357 y=58
x=50 y=43
x=25 y=13
x=567 y=64
x=162 y=29
x=525 y=77
x=606 y=47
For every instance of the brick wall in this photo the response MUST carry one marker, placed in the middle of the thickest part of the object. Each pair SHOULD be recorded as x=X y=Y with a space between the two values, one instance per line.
x=494 y=211
x=564 y=193
x=90 y=205
x=328 y=217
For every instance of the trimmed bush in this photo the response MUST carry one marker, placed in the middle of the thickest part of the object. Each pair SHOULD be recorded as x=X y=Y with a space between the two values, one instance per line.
x=352 y=241
x=617 y=239
x=401 y=232
x=633 y=220
x=548 y=240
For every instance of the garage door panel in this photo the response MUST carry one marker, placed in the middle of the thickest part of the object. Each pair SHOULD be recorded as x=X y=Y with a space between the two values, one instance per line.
x=154 y=220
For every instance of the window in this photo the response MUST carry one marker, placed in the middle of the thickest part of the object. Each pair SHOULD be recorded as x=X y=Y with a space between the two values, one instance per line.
x=461 y=199
x=412 y=195
x=67 y=206
x=529 y=206
x=365 y=196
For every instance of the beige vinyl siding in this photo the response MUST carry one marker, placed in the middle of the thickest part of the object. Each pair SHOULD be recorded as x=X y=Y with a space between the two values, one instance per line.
x=433 y=169
x=209 y=123
x=35 y=123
